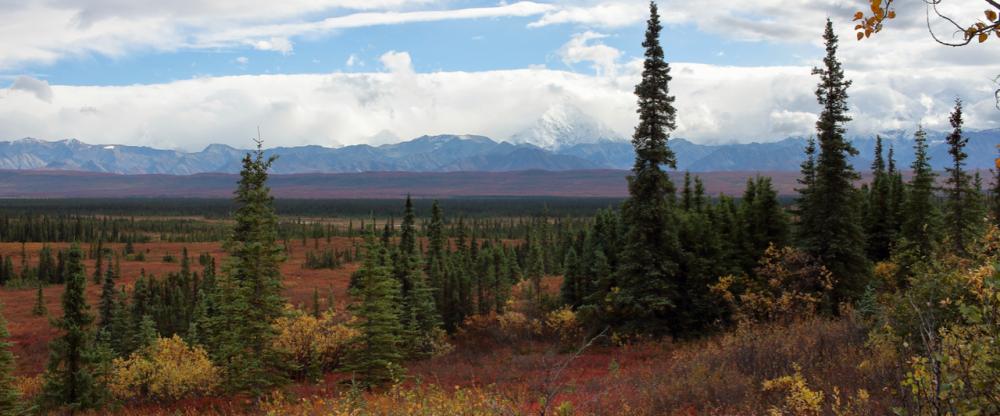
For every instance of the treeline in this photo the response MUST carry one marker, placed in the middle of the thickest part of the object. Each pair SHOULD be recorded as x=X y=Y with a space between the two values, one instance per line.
x=477 y=207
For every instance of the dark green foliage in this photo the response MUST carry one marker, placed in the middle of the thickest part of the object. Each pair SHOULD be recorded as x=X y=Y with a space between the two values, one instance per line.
x=920 y=215
x=378 y=359
x=763 y=217
x=71 y=378
x=249 y=289
x=9 y=395
x=962 y=213
x=39 y=307
x=646 y=294
x=830 y=228
x=879 y=218
x=107 y=303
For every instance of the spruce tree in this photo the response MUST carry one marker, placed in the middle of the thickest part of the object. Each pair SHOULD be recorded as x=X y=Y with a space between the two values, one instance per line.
x=962 y=198
x=9 y=394
x=107 y=303
x=920 y=217
x=835 y=235
x=250 y=286
x=879 y=219
x=994 y=201
x=39 y=308
x=378 y=360
x=764 y=219
x=897 y=194
x=645 y=298
x=69 y=380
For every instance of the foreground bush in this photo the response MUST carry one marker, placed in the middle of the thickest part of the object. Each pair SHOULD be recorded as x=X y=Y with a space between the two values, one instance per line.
x=310 y=345
x=167 y=370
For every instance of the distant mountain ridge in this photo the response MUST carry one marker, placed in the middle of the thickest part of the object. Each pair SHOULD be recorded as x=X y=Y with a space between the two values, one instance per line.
x=454 y=153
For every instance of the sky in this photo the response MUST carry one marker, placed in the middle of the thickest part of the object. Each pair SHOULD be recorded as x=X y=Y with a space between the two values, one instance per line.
x=183 y=74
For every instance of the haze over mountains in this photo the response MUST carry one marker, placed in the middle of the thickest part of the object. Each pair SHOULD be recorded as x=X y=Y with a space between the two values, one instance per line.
x=564 y=138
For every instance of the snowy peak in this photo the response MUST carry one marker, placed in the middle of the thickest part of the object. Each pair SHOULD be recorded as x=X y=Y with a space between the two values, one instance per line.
x=565 y=125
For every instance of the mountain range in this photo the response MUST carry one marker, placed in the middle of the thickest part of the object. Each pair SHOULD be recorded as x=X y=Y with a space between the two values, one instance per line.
x=564 y=138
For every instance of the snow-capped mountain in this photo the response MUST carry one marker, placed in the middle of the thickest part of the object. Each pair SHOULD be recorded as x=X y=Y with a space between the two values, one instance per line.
x=563 y=126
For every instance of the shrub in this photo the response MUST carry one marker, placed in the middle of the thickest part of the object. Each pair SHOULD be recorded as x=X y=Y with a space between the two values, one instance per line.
x=167 y=370
x=312 y=345
x=786 y=285
x=399 y=401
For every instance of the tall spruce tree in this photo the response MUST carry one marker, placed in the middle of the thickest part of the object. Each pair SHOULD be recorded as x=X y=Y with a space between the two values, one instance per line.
x=648 y=271
x=897 y=193
x=250 y=285
x=378 y=360
x=920 y=217
x=962 y=197
x=879 y=219
x=834 y=234
x=9 y=394
x=70 y=380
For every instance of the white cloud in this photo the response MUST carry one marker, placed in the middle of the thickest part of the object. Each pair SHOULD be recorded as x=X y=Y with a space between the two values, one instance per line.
x=242 y=60
x=397 y=62
x=277 y=44
x=606 y=15
x=46 y=31
x=39 y=88
x=715 y=104
x=580 y=48
x=353 y=60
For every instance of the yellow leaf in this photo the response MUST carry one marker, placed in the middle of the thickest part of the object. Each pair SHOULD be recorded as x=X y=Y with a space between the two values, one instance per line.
x=876 y=6
x=983 y=37
x=991 y=15
x=859 y=16
x=861 y=35
x=892 y=14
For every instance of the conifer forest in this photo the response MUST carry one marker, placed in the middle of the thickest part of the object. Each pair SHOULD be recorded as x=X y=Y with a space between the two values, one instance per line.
x=869 y=290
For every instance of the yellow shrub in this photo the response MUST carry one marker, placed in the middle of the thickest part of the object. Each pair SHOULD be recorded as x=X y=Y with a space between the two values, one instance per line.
x=29 y=386
x=799 y=399
x=167 y=370
x=786 y=285
x=312 y=344
x=563 y=323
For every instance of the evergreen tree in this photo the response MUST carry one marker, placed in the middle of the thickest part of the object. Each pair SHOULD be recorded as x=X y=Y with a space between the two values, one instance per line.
x=879 y=219
x=99 y=262
x=570 y=290
x=69 y=379
x=9 y=394
x=897 y=194
x=920 y=218
x=834 y=234
x=962 y=199
x=39 y=308
x=250 y=286
x=378 y=359
x=647 y=280
x=994 y=202
x=764 y=219
x=107 y=304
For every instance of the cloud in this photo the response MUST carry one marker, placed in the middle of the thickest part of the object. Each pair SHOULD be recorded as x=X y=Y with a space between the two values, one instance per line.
x=397 y=62
x=715 y=104
x=39 y=88
x=605 y=15
x=43 y=32
x=580 y=48
x=277 y=44
x=242 y=60
x=353 y=60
